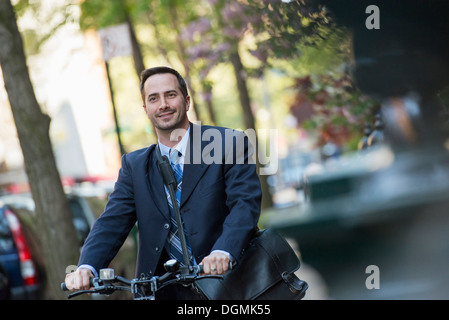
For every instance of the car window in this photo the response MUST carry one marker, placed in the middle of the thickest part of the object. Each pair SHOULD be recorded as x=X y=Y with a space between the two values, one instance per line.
x=6 y=240
x=79 y=220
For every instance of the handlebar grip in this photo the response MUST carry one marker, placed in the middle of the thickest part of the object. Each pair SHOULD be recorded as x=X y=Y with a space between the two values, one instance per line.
x=64 y=286
x=200 y=267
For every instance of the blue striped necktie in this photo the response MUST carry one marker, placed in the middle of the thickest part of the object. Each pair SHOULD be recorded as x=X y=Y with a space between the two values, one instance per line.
x=174 y=242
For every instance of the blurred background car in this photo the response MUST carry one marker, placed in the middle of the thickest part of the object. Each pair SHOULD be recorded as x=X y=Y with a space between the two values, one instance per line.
x=19 y=278
x=20 y=253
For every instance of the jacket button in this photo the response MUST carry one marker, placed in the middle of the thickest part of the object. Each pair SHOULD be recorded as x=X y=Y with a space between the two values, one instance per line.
x=166 y=226
x=157 y=249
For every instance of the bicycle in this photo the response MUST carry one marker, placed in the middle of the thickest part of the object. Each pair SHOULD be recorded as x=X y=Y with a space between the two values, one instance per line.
x=145 y=287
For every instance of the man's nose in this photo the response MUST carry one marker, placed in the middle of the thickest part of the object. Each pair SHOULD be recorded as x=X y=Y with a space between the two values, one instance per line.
x=164 y=103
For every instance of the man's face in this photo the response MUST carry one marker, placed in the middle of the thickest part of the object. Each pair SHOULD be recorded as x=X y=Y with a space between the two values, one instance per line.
x=164 y=103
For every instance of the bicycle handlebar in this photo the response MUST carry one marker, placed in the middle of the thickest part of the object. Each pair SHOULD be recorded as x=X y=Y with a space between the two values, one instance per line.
x=64 y=286
x=175 y=274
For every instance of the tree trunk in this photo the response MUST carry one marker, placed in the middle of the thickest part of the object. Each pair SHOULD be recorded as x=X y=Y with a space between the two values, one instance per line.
x=57 y=234
x=248 y=119
x=207 y=91
x=139 y=65
x=137 y=53
x=245 y=102
x=182 y=54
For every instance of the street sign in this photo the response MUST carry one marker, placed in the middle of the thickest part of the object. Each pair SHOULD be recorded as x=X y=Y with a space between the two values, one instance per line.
x=115 y=41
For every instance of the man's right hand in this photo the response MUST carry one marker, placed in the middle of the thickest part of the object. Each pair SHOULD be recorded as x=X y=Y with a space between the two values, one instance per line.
x=79 y=280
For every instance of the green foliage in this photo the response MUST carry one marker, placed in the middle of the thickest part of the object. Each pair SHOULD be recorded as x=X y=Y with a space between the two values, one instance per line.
x=47 y=21
x=292 y=38
x=331 y=105
x=100 y=14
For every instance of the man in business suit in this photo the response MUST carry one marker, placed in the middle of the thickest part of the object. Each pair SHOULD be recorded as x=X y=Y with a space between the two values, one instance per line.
x=219 y=198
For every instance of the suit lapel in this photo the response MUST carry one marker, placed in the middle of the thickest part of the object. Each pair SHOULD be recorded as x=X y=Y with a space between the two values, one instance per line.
x=156 y=185
x=192 y=172
x=194 y=167
x=191 y=176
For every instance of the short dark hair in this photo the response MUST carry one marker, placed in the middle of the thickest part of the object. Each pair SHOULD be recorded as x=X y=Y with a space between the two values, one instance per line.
x=145 y=74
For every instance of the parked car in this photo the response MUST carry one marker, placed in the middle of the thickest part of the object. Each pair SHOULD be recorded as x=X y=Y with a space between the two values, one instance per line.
x=19 y=278
x=85 y=206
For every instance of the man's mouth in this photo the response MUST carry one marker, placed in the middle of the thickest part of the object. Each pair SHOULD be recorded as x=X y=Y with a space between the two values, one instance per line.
x=165 y=114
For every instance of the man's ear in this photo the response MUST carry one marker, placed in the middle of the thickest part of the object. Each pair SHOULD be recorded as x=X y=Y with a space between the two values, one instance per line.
x=187 y=103
x=145 y=109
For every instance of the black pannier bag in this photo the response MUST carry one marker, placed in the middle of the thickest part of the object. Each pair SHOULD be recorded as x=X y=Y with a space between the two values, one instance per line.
x=266 y=271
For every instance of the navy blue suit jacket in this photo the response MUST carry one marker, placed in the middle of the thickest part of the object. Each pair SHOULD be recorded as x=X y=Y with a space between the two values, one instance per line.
x=220 y=202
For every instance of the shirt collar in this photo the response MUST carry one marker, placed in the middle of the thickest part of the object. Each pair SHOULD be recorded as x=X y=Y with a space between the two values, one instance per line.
x=181 y=146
